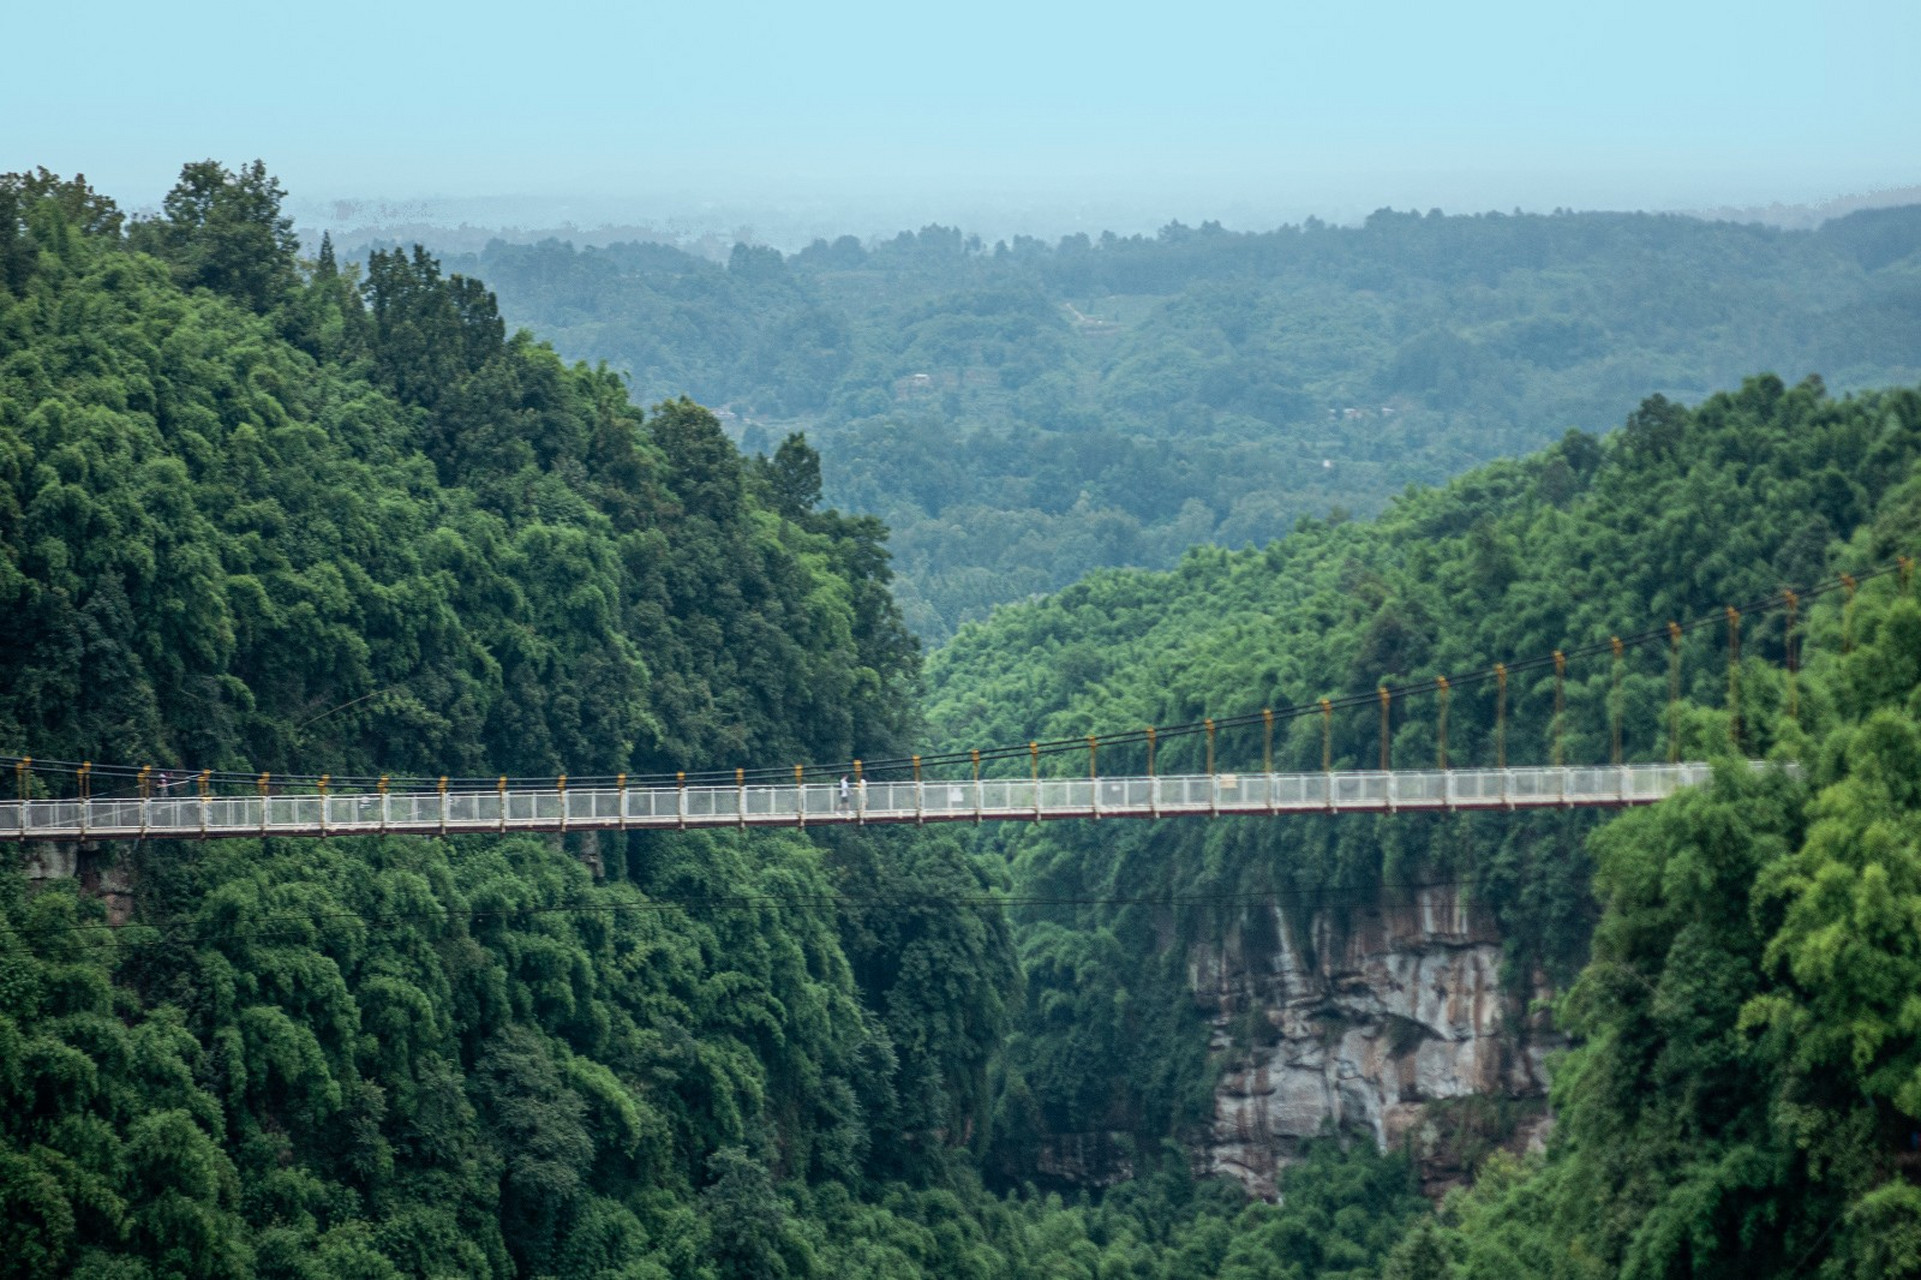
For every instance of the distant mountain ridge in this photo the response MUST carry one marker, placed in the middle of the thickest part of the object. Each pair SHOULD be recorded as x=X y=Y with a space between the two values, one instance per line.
x=1806 y=217
x=1022 y=412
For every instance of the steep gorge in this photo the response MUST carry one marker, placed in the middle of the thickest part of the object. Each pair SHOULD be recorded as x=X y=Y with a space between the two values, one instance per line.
x=1242 y=986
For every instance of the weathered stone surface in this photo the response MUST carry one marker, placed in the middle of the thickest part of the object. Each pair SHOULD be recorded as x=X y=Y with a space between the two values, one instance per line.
x=102 y=870
x=50 y=861
x=1371 y=1019
x=1086 y=1159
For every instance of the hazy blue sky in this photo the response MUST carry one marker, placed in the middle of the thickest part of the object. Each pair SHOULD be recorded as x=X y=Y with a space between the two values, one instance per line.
x=1098 y=114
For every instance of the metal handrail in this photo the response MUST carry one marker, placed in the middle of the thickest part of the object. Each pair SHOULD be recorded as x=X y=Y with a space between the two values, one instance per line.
x=986 y=799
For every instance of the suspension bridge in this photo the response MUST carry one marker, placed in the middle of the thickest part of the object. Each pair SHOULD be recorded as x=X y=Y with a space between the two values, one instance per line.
x=143 y=802
x=436 y=812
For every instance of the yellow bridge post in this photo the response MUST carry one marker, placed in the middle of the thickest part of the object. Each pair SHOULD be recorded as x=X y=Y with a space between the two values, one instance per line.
x=1094 y=774
x=1034 y=771
x=1387 y=715
x=1674 y=693
x=1213 y=791
x=1500 y=715
x=1153 y=787
x=1560 y=707
x=1614 y=700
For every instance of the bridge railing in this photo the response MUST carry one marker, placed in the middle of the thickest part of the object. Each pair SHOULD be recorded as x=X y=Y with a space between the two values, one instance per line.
x=934 y=800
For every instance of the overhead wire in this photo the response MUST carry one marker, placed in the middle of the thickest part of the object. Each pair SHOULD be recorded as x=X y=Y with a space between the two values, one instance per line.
x=132 y=777
x=1033 y=750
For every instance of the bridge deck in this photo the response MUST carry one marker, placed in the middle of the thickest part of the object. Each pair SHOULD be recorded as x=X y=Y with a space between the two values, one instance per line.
x=934 y=800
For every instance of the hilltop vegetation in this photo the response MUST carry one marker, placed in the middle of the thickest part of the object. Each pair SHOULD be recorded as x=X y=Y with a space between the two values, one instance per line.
x=1023 y=413
x=260 y=516
x=1736 y=963
x=255 y=520
x=263 y=514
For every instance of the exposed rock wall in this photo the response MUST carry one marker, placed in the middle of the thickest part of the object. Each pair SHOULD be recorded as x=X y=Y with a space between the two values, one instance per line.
x=1366 y=1023
x=101 y=871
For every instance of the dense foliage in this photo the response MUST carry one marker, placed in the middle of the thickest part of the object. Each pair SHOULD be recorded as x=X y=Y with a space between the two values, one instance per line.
x=258 y=514
x=267 y=514
x=1021 y=414
x=263 y=522
x=1742 y=1100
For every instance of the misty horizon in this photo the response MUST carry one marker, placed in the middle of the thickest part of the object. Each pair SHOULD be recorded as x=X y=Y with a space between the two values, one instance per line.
x=858 y=118
x=589 y=220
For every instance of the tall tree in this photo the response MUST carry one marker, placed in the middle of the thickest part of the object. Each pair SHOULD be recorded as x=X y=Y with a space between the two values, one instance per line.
x=224 y=231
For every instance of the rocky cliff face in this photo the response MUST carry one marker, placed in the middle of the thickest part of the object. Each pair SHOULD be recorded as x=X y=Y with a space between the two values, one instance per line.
x=101 y=870
x=1388 y=1019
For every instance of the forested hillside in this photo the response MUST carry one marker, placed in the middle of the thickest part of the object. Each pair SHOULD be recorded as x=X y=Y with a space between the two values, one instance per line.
x=1022 y=413
x=1741 y=1097
x=261 y=513
x=255 y=520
